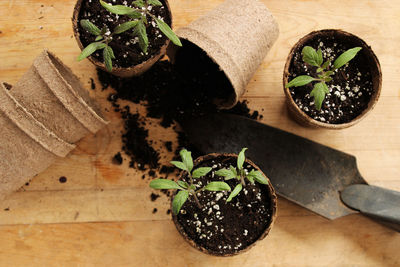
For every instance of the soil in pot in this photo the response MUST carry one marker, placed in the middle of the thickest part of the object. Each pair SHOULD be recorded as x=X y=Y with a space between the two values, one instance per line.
x=226 y=228
x=125 y=46
x=350 y=90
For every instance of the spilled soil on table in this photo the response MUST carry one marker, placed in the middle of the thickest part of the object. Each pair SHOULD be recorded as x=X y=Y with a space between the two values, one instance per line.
x=170 y=93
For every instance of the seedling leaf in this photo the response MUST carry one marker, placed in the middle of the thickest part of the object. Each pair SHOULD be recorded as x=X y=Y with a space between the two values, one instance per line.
x=120 y=9
x=192 y=187
x=140 y=31
x=300 y=81
x=187 y=159
x=168 y=32
x=241 y=158
x=125 y=26
x=318 y=93
x=235 y=192
x=200 y=172
x=179 y=200
x=233 y=170
x=217 y=186
x=90 y=27
x=90 y=49
x=326 y=89
x=329 y=72
x=326 y=64
x=258 y=176
x=228 y=174
x=164 y=184
x=346 y=57
x=108 y=56
x=250 y=178
x=139 y=3
x=320 y=59
x=183 y=184
x=136 y=15
x=154 y=2
x=311 y=56
x=179 y=165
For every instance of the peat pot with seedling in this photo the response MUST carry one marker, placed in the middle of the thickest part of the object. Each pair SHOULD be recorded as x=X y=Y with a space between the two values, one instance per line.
x=223 y=203
x=332 y=79
x=123 y=37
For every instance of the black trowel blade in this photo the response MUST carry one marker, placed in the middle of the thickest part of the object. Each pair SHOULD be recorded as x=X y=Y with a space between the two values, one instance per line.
x=305 y=172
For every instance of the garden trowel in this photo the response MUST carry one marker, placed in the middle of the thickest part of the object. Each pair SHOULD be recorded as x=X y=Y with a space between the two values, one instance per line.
x=312 y=175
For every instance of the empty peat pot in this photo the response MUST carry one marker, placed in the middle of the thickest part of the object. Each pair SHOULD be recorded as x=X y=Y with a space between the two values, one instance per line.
x=27 y=147
x=236 y=36
x=223 y=228
x=353 y=91
x=55 y=97
x=130 y=60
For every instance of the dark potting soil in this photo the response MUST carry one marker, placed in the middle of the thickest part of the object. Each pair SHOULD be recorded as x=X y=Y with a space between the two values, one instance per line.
x=92 y=84
x=175 y=92
x=135 y=143
x=170 y=92
x=7 y=85
x=154 y=197
x=125 y=45
x=226 y=228
x=117 y=159
x=168 y=146
x=350 y=90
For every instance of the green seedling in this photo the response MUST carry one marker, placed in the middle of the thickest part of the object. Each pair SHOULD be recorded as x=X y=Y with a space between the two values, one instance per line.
x=314 y=58
x=188 y=189
x=137 y=24
x=241 y=174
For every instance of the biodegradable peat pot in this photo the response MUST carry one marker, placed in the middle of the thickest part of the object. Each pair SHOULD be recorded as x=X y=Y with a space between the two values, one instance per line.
x=236 y=35
x=226 y=229
x=355 y=87
x=55 y=97
x=129 y=58
x=27 y=147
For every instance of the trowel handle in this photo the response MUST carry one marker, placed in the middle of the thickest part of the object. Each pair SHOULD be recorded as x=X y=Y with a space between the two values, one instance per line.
x=376 y=202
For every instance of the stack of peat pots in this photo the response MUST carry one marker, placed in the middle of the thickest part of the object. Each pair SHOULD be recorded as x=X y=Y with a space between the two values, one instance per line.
x=41 y=118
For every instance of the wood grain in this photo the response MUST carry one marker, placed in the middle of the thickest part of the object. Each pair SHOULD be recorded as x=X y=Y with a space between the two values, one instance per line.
x=103 y=216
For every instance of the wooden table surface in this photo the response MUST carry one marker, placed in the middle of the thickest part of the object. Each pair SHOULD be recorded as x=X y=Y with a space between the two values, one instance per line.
x=103 y=215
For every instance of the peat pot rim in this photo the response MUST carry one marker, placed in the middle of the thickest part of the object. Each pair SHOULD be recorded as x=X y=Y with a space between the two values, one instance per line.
x=25 y=121
x=375 y=69
x=135 y=70
x=67 y=88
x=273 y=198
